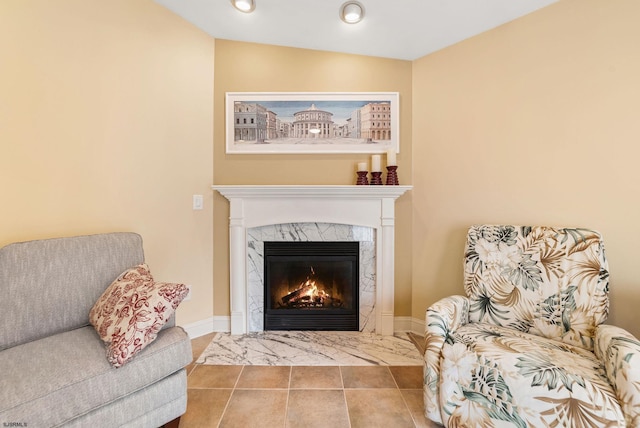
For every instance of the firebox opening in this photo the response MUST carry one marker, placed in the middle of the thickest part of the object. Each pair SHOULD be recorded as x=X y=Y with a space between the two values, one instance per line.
x=311 y=285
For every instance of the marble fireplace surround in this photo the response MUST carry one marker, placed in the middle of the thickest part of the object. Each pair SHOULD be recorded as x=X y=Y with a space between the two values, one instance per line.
x=252 y=207
x=311 y=232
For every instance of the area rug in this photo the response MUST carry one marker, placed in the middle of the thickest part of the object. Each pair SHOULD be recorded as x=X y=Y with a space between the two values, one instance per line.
x=311 y=348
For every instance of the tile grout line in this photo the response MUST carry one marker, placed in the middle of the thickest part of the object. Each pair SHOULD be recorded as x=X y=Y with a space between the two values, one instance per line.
x=406 y=405
x=233 y=390
x=286 y=407
x=344 y=396
x=404 y=400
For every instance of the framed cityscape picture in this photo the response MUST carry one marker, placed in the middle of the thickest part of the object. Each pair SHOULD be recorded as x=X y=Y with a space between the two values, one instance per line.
x=312 y=122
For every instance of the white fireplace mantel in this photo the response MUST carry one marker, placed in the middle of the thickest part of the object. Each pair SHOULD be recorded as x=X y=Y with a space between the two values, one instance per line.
x=257 y=205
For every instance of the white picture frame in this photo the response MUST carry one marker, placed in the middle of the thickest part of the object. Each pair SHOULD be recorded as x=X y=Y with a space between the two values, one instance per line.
x=312 y=122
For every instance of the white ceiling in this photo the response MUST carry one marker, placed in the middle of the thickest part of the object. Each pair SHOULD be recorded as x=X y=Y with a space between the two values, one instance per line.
x=400 y=29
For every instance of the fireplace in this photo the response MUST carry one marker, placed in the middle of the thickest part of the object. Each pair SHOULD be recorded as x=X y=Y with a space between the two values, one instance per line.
x=311 y=285
x=258 y=208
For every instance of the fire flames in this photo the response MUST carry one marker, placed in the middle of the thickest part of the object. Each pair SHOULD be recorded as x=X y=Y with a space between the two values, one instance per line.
x=309 y=295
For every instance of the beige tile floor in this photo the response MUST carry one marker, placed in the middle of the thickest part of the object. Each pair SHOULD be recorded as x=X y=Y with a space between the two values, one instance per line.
x=297 y=396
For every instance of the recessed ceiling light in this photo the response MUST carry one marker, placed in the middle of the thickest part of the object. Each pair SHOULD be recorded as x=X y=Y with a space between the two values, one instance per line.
x=351 y=12
x=245 y=6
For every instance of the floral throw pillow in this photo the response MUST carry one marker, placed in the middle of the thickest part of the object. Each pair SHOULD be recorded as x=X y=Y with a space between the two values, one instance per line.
x=132 y=310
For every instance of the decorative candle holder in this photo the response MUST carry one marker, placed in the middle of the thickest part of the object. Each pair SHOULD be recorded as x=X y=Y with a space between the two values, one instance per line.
x=362 y=178
x=376 y=178
x=392 y=176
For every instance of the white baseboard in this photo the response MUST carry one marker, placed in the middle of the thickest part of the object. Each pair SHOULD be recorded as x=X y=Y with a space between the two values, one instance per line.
x=408 y=324
x=418 y=326
x=210 y=325
x=222 y=324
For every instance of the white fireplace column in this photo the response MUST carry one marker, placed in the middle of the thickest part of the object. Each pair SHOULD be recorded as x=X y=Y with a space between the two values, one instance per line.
x=255 y=206
x=386 y=271
x=238 y=269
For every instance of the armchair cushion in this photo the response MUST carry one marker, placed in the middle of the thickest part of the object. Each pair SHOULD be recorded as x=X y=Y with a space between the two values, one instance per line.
x=491 y=373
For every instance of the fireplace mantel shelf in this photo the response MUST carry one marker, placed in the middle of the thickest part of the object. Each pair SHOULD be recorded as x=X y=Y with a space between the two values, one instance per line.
x=253 y=206
x=303 y=191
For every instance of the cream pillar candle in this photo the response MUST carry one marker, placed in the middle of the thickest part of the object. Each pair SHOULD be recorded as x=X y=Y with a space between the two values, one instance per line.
x=391 y=157
x=362 y=166
x=375 y=163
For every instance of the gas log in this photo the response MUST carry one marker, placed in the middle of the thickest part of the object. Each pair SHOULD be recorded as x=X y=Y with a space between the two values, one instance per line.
x=294 y=296
x=308 y=296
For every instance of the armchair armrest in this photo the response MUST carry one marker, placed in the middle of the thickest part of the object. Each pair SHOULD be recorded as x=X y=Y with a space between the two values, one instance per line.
x=442 y=318
x=619 y=351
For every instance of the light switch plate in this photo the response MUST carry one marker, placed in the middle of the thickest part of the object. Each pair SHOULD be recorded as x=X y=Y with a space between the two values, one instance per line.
x=198 y=202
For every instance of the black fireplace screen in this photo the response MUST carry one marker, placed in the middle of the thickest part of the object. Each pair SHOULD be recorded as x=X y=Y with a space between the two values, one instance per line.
x=311 y=285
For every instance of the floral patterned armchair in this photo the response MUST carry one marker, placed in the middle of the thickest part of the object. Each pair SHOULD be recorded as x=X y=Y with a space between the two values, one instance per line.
x=526 y=346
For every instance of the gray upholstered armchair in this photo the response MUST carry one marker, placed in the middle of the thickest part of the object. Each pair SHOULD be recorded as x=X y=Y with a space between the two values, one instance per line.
x=527 y=345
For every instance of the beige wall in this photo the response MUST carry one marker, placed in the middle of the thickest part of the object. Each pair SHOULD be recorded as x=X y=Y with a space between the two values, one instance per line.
x=248 y=67
x=106 y=125
x=107 y=122
x=535 y=122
